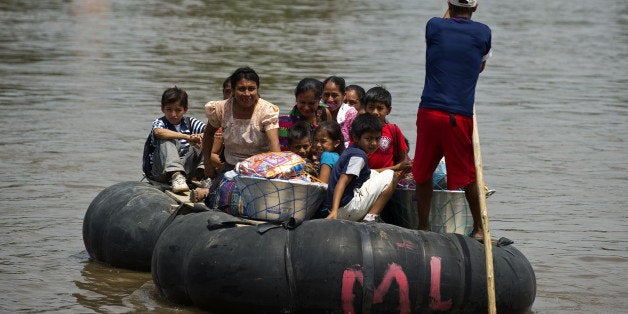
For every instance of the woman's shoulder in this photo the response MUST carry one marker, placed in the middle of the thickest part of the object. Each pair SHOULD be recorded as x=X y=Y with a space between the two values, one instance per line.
x=267 y=104
x=214 y=111
x=216 y=103
x=267 y=114
x=266 y=108
x=351 y=114
x=214 y=106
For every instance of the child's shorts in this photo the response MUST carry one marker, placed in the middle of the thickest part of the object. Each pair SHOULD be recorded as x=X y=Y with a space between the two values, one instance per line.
x=365 y=196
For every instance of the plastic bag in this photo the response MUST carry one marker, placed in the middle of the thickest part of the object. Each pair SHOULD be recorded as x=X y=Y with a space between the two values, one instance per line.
x=440 y=176
x=272 y=165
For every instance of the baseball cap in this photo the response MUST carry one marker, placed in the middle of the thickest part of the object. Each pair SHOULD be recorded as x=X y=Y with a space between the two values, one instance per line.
x=464 y=3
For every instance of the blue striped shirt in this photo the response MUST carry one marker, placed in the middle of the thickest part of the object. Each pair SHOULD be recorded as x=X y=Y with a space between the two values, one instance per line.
x=188 y=125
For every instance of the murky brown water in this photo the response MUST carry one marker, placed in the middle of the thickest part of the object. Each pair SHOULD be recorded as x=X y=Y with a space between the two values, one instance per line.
x=81 y=82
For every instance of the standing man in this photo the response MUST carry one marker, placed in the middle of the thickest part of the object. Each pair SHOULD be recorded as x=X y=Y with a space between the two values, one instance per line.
x=457 y=49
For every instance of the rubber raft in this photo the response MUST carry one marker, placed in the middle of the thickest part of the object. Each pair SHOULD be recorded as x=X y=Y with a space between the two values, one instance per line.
x=225 y=264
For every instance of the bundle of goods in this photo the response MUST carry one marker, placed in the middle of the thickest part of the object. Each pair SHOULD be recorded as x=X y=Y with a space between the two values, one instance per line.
x=273 y=187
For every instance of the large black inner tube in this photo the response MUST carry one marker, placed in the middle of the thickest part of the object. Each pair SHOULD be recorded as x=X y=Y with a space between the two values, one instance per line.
x=123 y=222
x=332 y=266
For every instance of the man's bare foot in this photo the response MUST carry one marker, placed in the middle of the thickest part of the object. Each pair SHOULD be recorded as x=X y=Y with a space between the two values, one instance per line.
x=478 y=234
x=424 y=228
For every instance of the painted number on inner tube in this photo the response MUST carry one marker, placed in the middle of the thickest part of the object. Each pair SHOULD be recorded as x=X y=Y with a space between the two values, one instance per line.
x=394 y=271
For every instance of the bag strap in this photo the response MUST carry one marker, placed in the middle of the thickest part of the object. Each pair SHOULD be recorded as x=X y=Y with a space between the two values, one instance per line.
x=396 y=141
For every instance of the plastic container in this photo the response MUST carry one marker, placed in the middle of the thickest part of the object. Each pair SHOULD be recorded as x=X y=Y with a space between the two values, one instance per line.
x=278 y=199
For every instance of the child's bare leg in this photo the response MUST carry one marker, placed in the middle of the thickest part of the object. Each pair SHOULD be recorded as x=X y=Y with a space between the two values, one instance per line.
x=384 y=197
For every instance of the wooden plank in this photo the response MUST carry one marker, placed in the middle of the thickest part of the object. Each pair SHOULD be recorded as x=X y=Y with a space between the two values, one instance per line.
x=180 y=198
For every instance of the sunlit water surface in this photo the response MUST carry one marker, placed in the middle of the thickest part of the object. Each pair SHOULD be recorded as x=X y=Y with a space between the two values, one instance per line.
x=81 y=83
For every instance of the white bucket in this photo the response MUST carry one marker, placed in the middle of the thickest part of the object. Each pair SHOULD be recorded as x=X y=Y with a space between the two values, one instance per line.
x=449 y=212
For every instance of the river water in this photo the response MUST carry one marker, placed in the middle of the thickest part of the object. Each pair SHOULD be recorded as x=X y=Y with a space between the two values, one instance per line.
x=82 y=80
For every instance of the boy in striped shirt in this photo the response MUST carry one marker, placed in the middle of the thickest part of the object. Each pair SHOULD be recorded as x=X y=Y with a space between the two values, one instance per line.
x=173 y=148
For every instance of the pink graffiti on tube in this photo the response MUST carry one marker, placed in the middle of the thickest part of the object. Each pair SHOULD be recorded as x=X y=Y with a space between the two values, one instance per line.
x=435 y=302
x=405 y=244
x=394 y=271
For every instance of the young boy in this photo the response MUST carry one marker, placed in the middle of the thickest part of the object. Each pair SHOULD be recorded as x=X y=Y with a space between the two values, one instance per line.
x=392 y=152
x=300 y=143
x=172 y=148
x=300 y=139
x=355 y=192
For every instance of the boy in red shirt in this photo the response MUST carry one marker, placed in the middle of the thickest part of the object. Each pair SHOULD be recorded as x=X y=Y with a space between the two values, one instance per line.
x=392 y=152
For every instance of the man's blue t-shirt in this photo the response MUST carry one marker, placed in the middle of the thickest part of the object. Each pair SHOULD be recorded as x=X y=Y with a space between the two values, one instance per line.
x=352 y=161
x=456 y=48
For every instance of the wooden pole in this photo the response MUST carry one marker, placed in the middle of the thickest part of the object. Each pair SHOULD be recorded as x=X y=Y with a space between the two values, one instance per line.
x=488 y=247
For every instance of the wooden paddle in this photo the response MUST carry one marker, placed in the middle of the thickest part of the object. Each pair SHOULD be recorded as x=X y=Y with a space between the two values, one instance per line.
x=488 y=247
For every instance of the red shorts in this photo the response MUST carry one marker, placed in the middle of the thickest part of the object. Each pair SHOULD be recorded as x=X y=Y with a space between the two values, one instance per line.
x=438 y=137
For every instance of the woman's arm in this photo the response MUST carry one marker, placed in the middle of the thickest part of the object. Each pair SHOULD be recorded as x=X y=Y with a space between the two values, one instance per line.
x=273 y=139
x=216 y=150
x=208 y=143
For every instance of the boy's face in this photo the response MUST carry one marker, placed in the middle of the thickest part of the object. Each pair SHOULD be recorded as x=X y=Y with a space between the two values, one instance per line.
x=174 y=112
x=226 y=91
x=301 y=147
x=378 y=109
x=369 y=141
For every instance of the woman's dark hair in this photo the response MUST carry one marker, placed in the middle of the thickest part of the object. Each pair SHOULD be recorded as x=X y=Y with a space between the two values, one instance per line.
x=338 y=81
x=358 y=90
x=244 y=73
x=174 y=95
x=365 y=123
x=332 y=129
x=309 y=84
